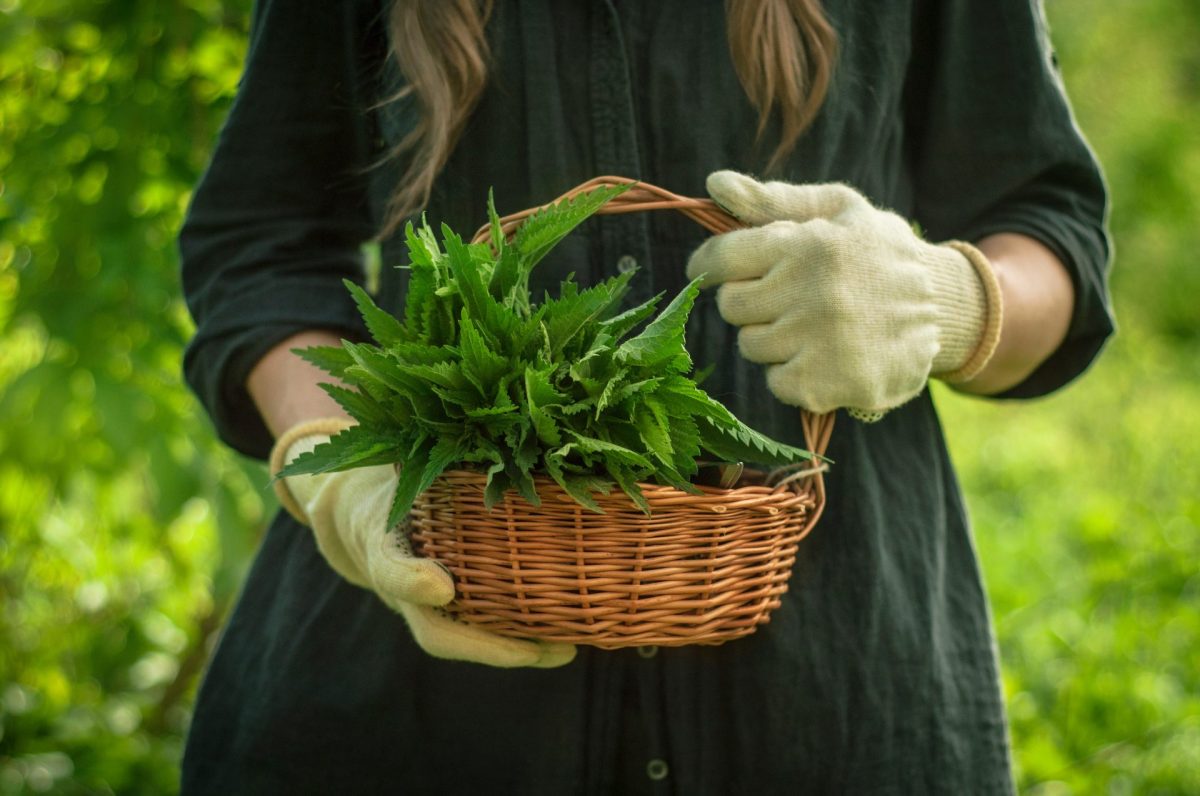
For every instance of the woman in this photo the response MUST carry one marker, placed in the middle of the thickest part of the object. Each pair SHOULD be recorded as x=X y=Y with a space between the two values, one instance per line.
x=878 y=673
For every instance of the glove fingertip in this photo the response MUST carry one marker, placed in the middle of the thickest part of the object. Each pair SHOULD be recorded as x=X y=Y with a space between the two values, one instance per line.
x=703 y=263
x=441 y=635
x=724 y=182
x=416 y=581
x=435 y=584
x=729 y=189
x=555 y=655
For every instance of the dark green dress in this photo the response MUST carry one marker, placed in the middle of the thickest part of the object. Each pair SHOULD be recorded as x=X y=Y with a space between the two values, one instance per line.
x=879 y=672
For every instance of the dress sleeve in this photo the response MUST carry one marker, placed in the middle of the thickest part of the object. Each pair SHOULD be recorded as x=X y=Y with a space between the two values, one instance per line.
x=279 y=217
x=996 y=149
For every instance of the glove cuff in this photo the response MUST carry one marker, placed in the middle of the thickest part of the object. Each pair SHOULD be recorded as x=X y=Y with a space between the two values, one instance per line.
x=993 y=316
x=323 y=426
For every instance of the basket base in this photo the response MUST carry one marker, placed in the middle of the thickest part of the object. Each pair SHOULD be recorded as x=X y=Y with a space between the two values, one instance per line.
x=615 y=632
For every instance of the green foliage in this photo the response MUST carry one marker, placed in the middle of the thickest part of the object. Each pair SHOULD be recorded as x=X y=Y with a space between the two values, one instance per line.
x=124 y=527
x=555 y=388
x=1132 y=69
x=1086 y=508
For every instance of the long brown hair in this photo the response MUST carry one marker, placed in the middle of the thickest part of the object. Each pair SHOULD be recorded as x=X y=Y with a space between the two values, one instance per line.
x=783 y=52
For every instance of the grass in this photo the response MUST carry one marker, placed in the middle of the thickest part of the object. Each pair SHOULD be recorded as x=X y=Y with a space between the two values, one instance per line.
x=1086 y=507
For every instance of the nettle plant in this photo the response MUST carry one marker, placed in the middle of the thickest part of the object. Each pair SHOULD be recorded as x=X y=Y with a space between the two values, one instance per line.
x=477 y=376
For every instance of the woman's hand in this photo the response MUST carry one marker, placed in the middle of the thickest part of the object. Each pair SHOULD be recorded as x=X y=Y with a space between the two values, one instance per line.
x=347 y=512
x=845 y=303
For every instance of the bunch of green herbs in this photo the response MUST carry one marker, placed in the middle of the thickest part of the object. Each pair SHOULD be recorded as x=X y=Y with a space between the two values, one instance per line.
x=477 y=376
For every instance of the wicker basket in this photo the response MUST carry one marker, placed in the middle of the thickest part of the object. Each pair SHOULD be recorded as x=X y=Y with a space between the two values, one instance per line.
x=701 y=569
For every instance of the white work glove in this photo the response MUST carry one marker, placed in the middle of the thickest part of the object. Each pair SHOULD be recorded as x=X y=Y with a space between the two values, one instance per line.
x=844 y=302
x=347 y=512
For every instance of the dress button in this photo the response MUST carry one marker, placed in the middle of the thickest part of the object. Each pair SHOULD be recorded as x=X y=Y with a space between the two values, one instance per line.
x=626 y=263
x=657 y=769
x=647 y=651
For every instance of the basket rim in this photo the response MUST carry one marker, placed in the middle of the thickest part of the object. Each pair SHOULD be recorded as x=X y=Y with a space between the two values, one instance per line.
x=540 y=477
x=662 y=500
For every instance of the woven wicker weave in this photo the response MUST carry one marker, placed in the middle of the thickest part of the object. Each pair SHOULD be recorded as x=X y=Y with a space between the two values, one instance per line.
x=701 y=569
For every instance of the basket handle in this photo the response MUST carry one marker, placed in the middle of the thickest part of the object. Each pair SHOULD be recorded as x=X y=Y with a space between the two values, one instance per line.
x=705 y=212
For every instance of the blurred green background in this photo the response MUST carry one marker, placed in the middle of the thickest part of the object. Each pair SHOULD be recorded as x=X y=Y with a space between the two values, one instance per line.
x=125 y=528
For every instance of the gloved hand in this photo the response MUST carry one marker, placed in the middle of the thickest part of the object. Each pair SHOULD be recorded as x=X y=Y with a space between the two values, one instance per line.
x=844 y=302
x=347 y=512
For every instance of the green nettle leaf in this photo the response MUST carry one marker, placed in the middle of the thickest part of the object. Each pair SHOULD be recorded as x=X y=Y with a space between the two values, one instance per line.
x=654 y=435
x=497 y=484
x=633 y=389
x=374 y=365
x=682 y=394
x=570 y=314
x=525 y=455
x=540 y=393
x=357 y=446
x=620 y=325
x=419 y=302
x=422 y=353
x=503 y=405
x=580 y=487
x=611 y=450
x=418 y=472
x=362 y=407
x=331 y=359
x=612 y=384
x=480 y=364
x=685 y=441
x=542 y=231
x=479 y=376
x=467 y=278
x=540 y=389
x=628 y=483
x=663 y=338
x=742 y=443
x=383 y=326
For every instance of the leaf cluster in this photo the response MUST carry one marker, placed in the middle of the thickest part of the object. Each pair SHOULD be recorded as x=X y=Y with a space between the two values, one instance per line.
x=479 y=376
